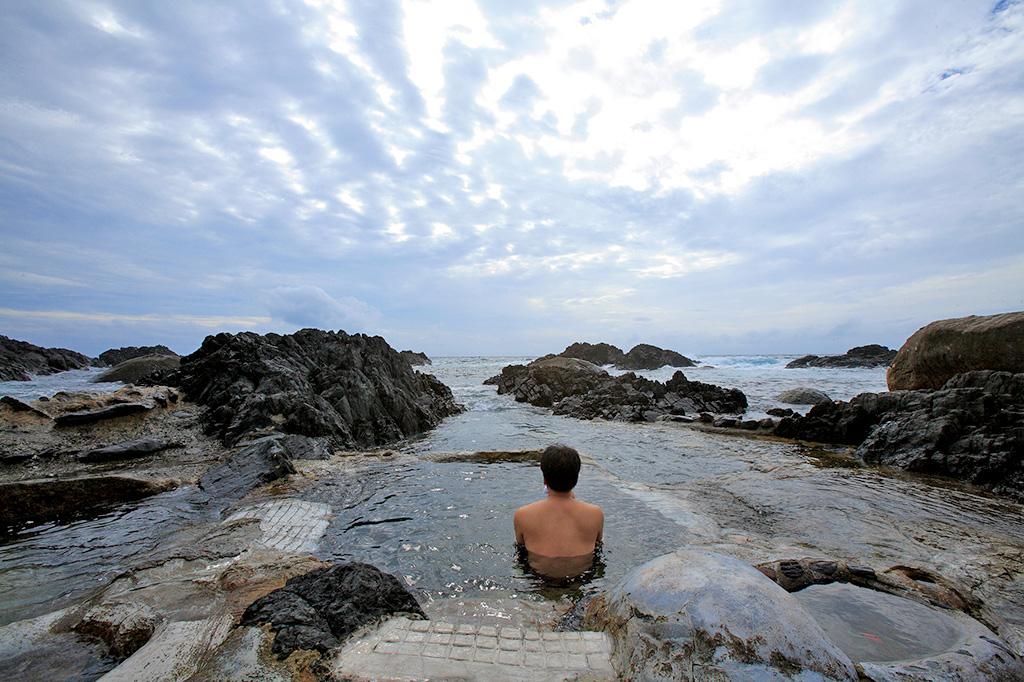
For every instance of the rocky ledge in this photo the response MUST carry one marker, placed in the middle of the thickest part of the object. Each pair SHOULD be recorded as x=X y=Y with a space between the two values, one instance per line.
x=355 y=390
x=20 y=359
x=970 y=429
x=872 y=355
x=581 y=389
x=640 y=356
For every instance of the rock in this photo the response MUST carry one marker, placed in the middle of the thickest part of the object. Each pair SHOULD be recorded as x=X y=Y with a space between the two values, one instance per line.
x=969 y=429
x=698 y=610
x=248 y=467
x=124 y=626
x=415 y=358
x=20 y=359
x=872 y=355
x=109 y=412
x=126 y=450
x=646 y=356
x=318 y=610
x=137 y=369
x=940 y=350
x=802 y=396
x=597 y=353
x=53 y=499
x=780 y=412
x=16 y=405
x=355 y=390
x=115 y=356
x=580 y=389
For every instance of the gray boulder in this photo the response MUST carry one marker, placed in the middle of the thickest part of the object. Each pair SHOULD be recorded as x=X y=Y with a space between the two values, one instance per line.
x=695 y=614
x=138 y=369
x=127 y=450
x=802 y=396
x=943 y=349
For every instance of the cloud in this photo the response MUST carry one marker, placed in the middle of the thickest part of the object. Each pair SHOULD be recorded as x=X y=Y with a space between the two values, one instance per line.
x=310 y=306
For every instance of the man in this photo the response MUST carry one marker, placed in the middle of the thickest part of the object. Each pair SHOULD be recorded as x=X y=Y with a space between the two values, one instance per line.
x=559 y=533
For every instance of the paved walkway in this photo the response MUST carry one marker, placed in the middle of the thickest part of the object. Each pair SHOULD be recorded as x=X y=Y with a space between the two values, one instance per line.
x=288 y=525
x=404 y=649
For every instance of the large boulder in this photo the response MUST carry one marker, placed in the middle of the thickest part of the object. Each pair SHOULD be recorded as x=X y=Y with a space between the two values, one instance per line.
x=940 y=350
x=872 y=355
x=20 y=359
x=970 y=429
x=646 y=356
x=580 y=389
x=115 y=356
x=802 y=396
x=695 y=610
x=318 y=610
x=597 y=353
x=355 y=389
x=138 y=369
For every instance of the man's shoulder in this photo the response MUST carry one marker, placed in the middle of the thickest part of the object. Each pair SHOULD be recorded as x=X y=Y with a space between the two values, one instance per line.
x=529 y=508
x=591 y=509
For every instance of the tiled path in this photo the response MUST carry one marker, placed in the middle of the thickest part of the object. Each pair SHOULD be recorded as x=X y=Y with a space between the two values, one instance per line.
x=288 y=525
x=413 y=649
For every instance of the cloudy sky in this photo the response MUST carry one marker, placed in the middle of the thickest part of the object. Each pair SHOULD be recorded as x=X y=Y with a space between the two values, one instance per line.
x=506 y=177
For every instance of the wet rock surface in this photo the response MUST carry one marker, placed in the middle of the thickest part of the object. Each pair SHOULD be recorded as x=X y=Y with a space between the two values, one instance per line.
x=115 y=356
x=580 y=389
x=318 y=610
x=139 y=369
x=937 y=352
x=248 y=467
x=20 y=359
x=352 y=389
x=695 y=610
x=971 y=429
x=872 y=355
x=127 y=450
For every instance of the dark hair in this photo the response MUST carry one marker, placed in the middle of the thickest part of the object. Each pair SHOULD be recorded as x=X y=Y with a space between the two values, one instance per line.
x=561 y=467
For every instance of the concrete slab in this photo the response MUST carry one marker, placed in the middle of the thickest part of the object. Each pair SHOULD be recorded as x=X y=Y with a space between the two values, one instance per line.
x=293 y=526
x=174 y=652
x=403 y=649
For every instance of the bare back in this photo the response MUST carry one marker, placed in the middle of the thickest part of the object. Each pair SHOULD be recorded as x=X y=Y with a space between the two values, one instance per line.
x=559 y=527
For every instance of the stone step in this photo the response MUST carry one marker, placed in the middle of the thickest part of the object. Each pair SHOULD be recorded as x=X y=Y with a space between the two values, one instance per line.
x=404 y=649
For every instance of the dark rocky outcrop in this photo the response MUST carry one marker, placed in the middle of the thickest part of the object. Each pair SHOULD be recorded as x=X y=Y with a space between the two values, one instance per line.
x=802 y=396
x=415 y=358
x=940 y=350
x=971 y=429
x=20 y=359
x=318 y=610
x=354 y=389
x=580 y=389
x=248 y=467
x=137 y=370
x=597 y=353
x=872 y=355
x=646 y=356
x=780 y=412
x=115 y=356
x=127 y=450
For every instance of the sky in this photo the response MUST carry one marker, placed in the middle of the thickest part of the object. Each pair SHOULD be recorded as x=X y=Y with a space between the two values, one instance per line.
x=485 y=177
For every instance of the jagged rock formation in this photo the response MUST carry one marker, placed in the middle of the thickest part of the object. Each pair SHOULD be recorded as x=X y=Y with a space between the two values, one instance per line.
x=970 y=429
x=580 y=389
x=115 y=356
x=646 y=356
x=318 y=610
x=139 y=369
x=354 y=390
x=20 y=359
x=641 y=356
x=872 y=355
x=415 y=358
x=942 y=349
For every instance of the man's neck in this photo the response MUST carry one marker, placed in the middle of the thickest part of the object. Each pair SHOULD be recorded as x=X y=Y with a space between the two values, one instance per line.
x=556 y=495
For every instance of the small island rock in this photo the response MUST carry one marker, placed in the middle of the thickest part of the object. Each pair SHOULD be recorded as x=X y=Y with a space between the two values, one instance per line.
x=20 y=359
x=115 y=356
x=138 y=369
x=802 y=396
x=872 y=355
x=646 y=356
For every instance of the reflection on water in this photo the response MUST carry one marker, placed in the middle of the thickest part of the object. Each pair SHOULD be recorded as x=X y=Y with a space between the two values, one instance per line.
x=877 y=627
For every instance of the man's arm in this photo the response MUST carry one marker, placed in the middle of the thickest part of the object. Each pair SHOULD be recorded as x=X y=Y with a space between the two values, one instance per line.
x=517 y=524
x=600 y=525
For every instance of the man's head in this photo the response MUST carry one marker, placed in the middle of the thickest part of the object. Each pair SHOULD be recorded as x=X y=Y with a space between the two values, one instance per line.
x=561 y=467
